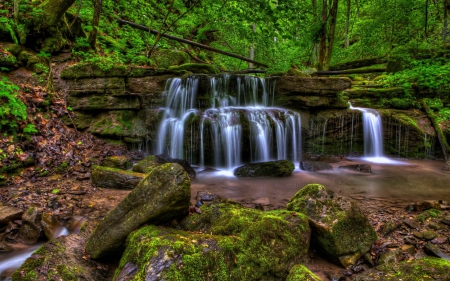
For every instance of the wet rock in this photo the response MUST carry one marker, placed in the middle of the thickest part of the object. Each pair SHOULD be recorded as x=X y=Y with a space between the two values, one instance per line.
x=161 y=196
x=363 y=168
x=439 y=240
x=115 y=178
x=388 y=228
x=314 y=166
x=419 y=269
x=119 y=162
x=427 y=204
x=434 y=250
x=341 y=231
x=260 y=245
x=391 y=256
x=31 y=226
x=49 y=225
x=147 y=164
x=412 y=223
x=163 y=158
x=61 y=259
x=429 y=235
x=4 y=248
x=280 y=168
x=205 y=197
x=8 y=213
x=301 y=272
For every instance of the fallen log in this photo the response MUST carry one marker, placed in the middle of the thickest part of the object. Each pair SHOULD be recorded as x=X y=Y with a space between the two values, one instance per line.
x=357 y=64
x=189 y=42
x=350 y=71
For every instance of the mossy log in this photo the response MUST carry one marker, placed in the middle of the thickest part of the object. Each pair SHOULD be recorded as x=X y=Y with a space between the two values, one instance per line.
x=350 y=71
x=440 y=134
x=357 y=64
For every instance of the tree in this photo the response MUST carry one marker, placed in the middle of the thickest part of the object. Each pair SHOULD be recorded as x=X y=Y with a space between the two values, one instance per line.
x=327 y=33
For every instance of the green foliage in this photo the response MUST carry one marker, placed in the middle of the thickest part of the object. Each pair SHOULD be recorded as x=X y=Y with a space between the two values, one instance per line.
x=12 y=109
x=8 y=26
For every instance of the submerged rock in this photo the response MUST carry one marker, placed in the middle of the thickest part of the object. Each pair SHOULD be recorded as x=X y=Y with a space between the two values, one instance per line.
x=314 y=166
x=364 y=168
x=341 y=231
x=419 y=269
x=163 y=195
x=115 y=178
x=230 y=242
x=280 y=168
x=61 y=259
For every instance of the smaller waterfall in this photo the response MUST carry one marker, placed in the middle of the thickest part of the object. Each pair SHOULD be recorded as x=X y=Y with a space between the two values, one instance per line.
x=373 y=135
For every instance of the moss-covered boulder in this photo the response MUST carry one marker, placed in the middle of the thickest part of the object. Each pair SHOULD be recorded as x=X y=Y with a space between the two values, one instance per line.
x=164 y=158
x=419 y=269
x=280 y=168
x=119 y=162
x=31 y=228
x=161 y=196
x=166 y=58
x=197 y=68
x=118 y=124
x=6 y=58
x=146 y=165
x=234 y=243
x=61 y=259
x=341 y=231
x=107 y=177
x=315 y=166
x=300 y=272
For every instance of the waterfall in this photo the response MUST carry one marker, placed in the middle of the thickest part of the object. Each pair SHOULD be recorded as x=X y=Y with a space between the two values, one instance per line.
x=240 y=125
x=373 y=135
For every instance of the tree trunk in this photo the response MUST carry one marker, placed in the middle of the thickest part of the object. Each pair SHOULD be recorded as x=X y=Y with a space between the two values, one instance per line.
x=331 y=33
x=426 y=19
x=95 y=21
x=53 y=11
x=445 y=29
x=347 y=26
x=323 y=37
x=327 y=34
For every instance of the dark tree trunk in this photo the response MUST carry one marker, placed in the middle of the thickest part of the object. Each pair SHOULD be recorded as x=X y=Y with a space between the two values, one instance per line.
x=347 y=25
x=327 y=33
x=95 y=21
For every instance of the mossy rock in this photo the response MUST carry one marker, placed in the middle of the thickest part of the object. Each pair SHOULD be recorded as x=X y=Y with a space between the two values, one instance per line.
x=300 y=272
x=280 y=168
x=114 y=178
x=341 y=231
x=118 y=124
x=166 y=58
x=197 y=68
x=163 y=195
x=6 y=58
x=236 y=243
x=315 y=166
x=119 y=162
x=60 y=259
x=80 y=120
x=419 y=269
x=146 y=165
x=91 y=70
x=14 y=49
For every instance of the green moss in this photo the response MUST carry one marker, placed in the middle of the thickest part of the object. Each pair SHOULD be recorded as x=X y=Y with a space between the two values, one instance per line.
x=56 y=191
x=197 y=68
x=300 y=272
x=431 y=213
x=93 y=70
x=166 y=58
x=62 y=168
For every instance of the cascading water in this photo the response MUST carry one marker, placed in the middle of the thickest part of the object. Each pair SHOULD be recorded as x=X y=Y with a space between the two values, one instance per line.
x=238 y=127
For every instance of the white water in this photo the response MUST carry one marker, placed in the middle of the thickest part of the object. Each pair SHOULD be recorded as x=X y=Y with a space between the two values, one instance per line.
x=270 y=133
x=373 y=136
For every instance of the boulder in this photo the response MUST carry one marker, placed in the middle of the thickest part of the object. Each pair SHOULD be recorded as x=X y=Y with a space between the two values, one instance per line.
x=315 y=166
x=167 y=57
x=363 y=168
x=119 y=162
x=341 y=231
x=147 y=164
x=61 y=259
x=419 y=269
x=164 y=158
x=8 y=213
x=230 y=242
x=50 y=226
x=115 y=178
x=300 y=272
x=118 y=124
x=31 y=226
x=280 y=168
x=163 y=195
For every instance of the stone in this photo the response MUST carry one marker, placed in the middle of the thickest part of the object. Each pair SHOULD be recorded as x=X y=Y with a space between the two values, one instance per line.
x=226 y=241
x=388 y=227
x=314 y=166
x=164 y=158
x=61 y=259
x=427 y=204
x=197 y=68
x=147 y=164
x=5 y=248
x=300 y=272
x=429 y=235
x=280 y=168
x=390 y=256
x=50 y=226
x=411 y=223
x=123 y=162
x=163 y=195
x=167 y=57
x=9 y=213
x=434 y=250
x=418 y=269
x=103 y=85
x=363 y=168
x=104 y=102
x=118 y=124
x=88 y=70
x=107 y=177
x=31 y=228
x=340 y=230
x=206 y=197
